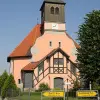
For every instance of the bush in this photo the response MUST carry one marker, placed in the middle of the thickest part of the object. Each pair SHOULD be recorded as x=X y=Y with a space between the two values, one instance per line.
x=8 y=86
x=77 y=85
x=71 y=93
x=13 y=92
x=3 y=78
x=43 y=87
x=37 y=91
x=96 y=86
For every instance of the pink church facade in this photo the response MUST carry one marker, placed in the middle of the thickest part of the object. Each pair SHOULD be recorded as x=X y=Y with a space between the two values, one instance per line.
x=47 y=54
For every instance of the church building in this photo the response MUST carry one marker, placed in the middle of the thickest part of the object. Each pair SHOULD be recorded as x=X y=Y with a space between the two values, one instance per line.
x=47 y=54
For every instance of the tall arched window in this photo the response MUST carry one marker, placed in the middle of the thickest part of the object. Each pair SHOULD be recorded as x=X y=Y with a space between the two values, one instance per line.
x=57 y=10
x=52 y=10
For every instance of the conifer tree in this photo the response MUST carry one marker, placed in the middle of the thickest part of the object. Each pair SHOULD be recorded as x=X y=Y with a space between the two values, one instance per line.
x=3 y=78
x=8 y=85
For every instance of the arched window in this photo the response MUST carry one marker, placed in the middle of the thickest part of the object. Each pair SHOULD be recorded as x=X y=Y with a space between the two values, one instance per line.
x=52 y=10
x=57 y=10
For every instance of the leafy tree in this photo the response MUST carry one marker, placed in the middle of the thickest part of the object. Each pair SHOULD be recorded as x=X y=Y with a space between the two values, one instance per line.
x=96 y=85
x=3 y=78
x=8 y=85
x=89 y=52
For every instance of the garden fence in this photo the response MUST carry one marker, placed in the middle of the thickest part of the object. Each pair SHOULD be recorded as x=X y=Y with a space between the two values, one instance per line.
x=29 y=95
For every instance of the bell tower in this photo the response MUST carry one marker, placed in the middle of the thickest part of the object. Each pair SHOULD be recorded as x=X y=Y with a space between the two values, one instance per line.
x=53 y=15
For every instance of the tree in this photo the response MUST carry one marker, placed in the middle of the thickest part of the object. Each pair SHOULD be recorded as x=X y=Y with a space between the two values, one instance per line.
x=89 y=52
x=8 y=85
x=3 y=78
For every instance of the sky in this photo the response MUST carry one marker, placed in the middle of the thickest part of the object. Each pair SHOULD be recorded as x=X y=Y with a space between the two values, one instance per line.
x=18 y=17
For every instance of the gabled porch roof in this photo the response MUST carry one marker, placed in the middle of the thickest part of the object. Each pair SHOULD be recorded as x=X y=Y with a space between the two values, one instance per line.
x=32 y=65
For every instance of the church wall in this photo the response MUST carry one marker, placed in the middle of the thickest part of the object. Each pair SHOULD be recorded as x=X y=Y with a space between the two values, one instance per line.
x=49 y=79
x=16 y=66
x=67 y=45
x=60 y=26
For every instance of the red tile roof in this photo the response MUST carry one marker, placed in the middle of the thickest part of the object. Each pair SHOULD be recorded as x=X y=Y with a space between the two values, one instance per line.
x=30 y=66
x=24 y=47
x=33 y=65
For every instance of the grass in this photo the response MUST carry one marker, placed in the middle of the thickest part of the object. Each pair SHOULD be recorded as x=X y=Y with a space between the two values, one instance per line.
x=37 y=96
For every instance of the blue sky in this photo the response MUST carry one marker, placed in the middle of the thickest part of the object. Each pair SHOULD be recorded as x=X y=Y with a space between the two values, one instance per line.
x=18 y=17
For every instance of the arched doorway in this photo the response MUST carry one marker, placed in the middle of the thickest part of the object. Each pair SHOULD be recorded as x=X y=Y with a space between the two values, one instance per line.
x=58 y=82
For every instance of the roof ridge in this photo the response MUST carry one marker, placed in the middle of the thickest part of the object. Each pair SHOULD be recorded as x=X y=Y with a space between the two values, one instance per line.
x=76 y=44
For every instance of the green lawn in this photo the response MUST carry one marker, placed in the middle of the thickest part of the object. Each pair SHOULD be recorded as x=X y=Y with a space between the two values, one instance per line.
x=37 y=96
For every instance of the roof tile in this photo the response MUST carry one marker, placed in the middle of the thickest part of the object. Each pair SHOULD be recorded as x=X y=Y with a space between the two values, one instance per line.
x=30 y=66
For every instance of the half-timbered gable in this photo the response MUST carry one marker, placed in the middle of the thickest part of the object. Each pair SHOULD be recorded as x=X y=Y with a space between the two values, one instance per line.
x=56 y=64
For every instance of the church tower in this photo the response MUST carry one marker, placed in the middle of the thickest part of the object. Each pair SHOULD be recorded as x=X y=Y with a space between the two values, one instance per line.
x=53 y=16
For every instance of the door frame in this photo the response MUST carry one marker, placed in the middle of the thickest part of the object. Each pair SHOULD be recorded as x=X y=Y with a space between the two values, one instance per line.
x=24 y=78
x=56 y=78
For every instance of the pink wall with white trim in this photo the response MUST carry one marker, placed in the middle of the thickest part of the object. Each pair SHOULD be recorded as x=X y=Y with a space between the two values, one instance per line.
x=16 y=66
x=42 y=48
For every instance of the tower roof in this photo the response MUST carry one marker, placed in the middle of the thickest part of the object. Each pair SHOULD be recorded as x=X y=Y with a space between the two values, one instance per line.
x=53 y=1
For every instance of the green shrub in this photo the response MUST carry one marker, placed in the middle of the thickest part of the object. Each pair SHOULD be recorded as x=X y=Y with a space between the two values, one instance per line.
x=13 y=92
x=8 y=87
x=96 y=86
x=71 y=93
x=77 y=85
x=43 y=87
x=37 y=91
x=3 y=78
